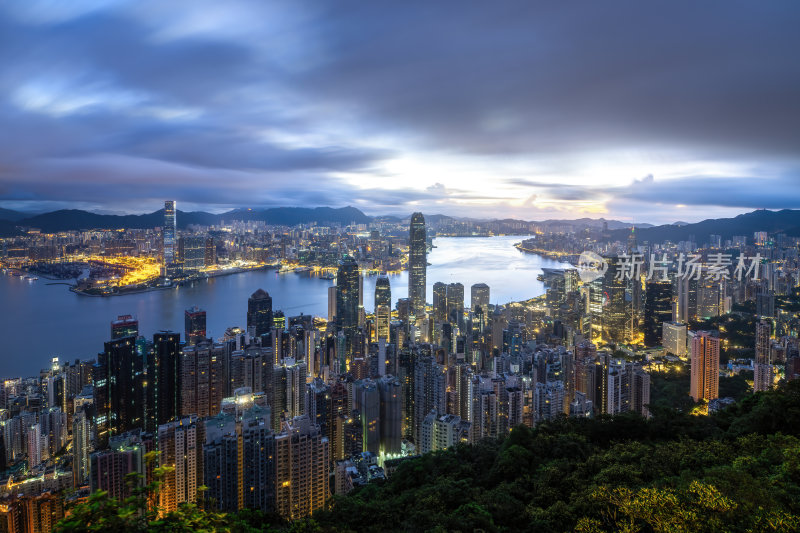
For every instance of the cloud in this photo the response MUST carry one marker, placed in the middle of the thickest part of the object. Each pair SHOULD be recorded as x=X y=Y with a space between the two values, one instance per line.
x=490 y=109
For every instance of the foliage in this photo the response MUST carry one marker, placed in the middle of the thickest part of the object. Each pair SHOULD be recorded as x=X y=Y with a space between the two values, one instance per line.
x=737 y=470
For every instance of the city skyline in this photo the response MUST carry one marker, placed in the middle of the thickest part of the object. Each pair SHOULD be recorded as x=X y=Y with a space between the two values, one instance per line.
x=619 y=111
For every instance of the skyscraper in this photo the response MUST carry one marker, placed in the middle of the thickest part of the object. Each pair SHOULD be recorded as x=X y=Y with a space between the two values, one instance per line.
x=657 y=310
x=383 y=307
x=439 y=302
x=479 y=297
x=124 y=326
x=202 y=379
x=302 y=459
x=119 y=393
x=168 y=234
x=180 y=447
x=347 y=296
x=763 y=371
x=164 y=379
x=259 y=313
x=417 y=264
x=705 y=366
x=195 y=325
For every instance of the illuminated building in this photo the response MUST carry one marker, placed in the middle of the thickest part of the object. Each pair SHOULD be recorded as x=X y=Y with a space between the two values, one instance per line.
x=479 y=297
x=164 y=379
x=391 y=415
x=439 y=302
x=704 y=383
x=383 y=307
x=118 y=379
x=657 y=310
x=368 y=403
x=429 y=390
x=259 y=313
x=110 y=467
x=203 y=379
x=455 y=304
x=417 y=264
x=347 y=298
x=180 y=447
x=168 y=236
x=290 y=391
x=673 y=338
x=763 y=369
x=440 y=432
x=239 y=461
x=124 y=326
x=302 y=462
x=194 y=253
x=614 y=309
x=194 y=320
x=81 y=446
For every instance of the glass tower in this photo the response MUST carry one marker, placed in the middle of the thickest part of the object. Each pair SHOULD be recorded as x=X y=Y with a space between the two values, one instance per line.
x=169 y=232
x=417 y=264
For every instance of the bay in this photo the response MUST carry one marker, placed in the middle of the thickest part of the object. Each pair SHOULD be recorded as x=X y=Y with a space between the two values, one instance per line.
x=40 y=321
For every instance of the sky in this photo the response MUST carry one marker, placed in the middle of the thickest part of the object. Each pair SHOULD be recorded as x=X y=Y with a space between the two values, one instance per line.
x=639 y=111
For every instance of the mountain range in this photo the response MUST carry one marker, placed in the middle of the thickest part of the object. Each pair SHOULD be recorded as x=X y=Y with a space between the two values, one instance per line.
x=783 y=221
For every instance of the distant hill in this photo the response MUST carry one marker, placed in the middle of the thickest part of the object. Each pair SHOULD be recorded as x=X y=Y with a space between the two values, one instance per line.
x=13 y=216
x=75 y=219
x=8 y=229
x=783 y=221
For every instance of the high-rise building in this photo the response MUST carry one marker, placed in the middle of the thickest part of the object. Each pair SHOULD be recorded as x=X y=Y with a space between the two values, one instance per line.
x=440 y=432
x=118 y=379
x=164 y=379
x=203 y=379
x=368 y=404
x=391 y=416
x=81 y=445
x=194 y=253
x=657 y=310
x=290 y=391
x=302 y=463
x=439 y=302
x=110 y=467
x=180 y=447
x=124 y=326
x=383 y=307
x=704 y=383
x=347 y=298
x=168 y=234
x=417 y=264
x=428 y=392
x=673 y=338
x=259 y=313
x=239 y=461
x=479 y=297
x=195 y=325
x=455 y=304
x=763 y=370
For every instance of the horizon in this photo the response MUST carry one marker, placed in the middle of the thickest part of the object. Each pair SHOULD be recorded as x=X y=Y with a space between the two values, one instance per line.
x=530 y=112
x=402 y=216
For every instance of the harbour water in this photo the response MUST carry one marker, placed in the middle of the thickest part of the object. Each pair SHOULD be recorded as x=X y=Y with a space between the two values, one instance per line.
x=41 y=320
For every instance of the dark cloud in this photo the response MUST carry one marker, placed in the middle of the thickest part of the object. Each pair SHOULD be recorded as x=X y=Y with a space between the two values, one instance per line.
x=280 y=103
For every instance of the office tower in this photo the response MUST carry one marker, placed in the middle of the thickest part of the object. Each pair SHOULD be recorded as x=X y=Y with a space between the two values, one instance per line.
x=368 y=403
x=180 y=447
x=417 y=264
x=124 y=326
x=657 y=310
x=429 y=390
x=203 y=379
x=259 y=313
x=763 y=370
x=674 y=338
x=194 y=320
x=209 y=253
x=705 y=366
x=391 y=415
x=347 y=298
x=439 y=302
x=455 y=304
x=110 y=468
x=239 y=461
x=119 y=394
x=332 y=291
x=194 y=253
x=290 y=391
x=479 y=297
x=383 y=307
x=164 y=379
x=440 y=432
x=302 y=459
x=168 y=234
x=81 y=446
x=614 y=309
